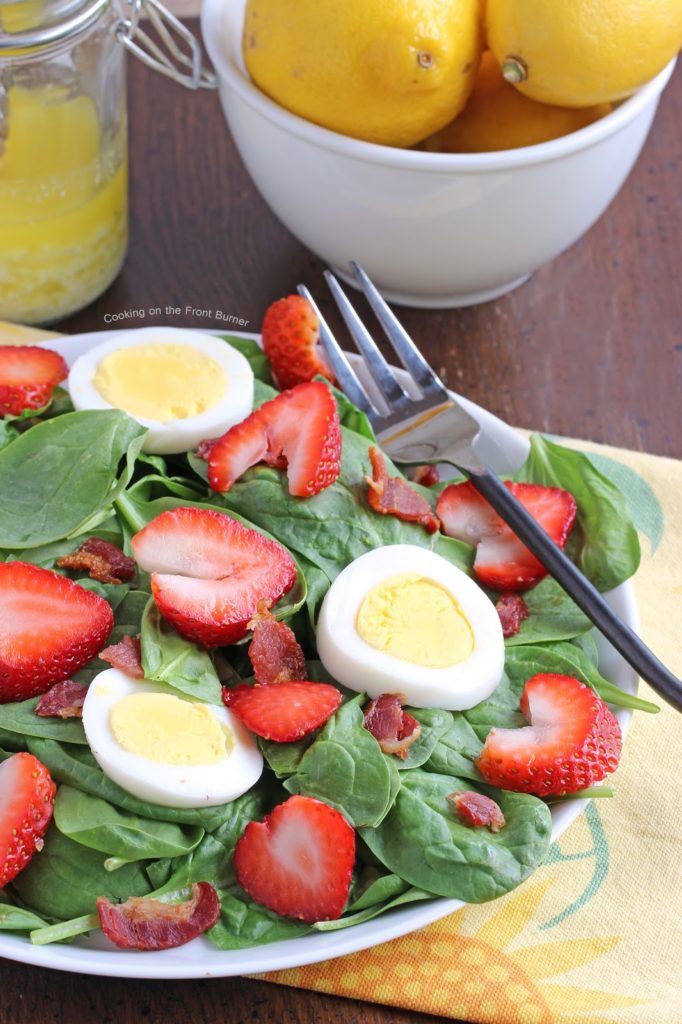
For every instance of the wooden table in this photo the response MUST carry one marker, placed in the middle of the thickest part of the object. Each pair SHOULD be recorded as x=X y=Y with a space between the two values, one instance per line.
x=591 y=346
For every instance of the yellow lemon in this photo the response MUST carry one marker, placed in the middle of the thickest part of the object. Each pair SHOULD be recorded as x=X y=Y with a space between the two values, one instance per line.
x=498 y=117
x=390 y=72
x=579 y=52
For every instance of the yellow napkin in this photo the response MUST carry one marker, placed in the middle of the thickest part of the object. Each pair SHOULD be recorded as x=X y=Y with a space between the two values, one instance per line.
x=595 y=935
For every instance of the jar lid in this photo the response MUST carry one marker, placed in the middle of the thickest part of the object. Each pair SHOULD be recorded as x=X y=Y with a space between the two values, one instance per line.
x=32 y=24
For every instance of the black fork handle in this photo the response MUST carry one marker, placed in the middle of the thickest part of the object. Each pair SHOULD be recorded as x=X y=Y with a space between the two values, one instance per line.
x=577 y=586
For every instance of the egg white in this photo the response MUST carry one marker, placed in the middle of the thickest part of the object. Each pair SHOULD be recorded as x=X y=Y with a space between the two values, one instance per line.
x=179 y=435
x=170 y=785
x=360 y=667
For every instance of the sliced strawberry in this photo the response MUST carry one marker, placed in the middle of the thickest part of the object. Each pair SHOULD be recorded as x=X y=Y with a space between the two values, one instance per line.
x=298 y=860
x=26 y=801
x=290 y=333
x=502 y=561
x=209 y=572
x=299 y=429
x=142 y=923
x=274 y=652
x=573 y=740
x=477 y=810
x=283 y=712
x=49 y=628
x=28 y=375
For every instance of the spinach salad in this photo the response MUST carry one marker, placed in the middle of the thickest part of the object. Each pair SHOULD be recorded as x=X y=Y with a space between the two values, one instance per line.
x=66 y=476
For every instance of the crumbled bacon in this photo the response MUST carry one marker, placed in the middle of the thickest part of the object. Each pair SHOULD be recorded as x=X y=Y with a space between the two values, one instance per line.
x=512 y=610
x=393 y=496
x=204 y=448
x=477 y=810
x=102 y=560
x=63 y=700
x=426 y=475
x=275 y=653
x=126 y=656
x=149 y=924
x=394 y=729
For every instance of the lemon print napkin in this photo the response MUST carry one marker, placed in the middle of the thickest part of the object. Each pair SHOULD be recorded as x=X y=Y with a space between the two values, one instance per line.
x=595 y=935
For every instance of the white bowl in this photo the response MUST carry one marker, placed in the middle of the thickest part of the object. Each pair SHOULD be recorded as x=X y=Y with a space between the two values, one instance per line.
x=504 y=450
x=431 y=229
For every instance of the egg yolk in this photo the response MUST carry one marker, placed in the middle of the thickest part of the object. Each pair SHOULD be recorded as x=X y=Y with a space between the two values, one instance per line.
x=415 y=619
x=161 y=382
x=169 y=730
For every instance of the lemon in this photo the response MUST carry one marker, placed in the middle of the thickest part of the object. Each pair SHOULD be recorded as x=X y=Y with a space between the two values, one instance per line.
x=18 y=334
x=390 y=72
x=497 y=116
x=580 y=52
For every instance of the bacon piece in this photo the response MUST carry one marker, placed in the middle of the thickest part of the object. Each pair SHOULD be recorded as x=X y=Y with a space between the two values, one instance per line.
x=142 y=923
x=126 y=656
x=205 y=447
x=426 y=475
x=275 y=653
x=102 y=560
x=477 y=810
x=393 y=496
x=63 y=700
x=394 y=729
x=512 y=610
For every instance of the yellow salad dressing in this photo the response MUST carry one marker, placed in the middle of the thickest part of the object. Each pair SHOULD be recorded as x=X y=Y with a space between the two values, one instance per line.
x=63 y=205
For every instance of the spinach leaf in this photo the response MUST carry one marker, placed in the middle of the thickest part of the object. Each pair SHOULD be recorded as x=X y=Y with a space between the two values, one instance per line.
x=409 y=894
x=609 y=549
x=60 y=477
x=22 y=720
x=434 y=723
x=178 y=663
x=16 y=919
x=553 y=615
x=244 y=923
x=567 y=659
x=461 y=743
x=422 y=840
x=251 y=350
x=65 y=879
x=99 y=825
x=46 y=555
x=211 y=861
x=285 y=758
x=346 y=768
x=75 y=766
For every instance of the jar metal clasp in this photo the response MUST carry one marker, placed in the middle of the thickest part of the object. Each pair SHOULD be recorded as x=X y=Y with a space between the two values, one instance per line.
x=177 y=54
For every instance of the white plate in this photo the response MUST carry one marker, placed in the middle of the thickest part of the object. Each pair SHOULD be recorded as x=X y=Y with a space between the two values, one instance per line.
x=504 y=450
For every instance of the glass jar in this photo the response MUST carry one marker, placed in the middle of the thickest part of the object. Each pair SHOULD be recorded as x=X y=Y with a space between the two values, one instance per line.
x=63 y=146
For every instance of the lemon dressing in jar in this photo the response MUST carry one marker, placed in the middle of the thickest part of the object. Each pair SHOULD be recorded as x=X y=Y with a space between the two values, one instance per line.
x=63 y=148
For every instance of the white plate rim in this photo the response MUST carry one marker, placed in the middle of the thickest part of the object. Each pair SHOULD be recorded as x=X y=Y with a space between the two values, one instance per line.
x=200 y=959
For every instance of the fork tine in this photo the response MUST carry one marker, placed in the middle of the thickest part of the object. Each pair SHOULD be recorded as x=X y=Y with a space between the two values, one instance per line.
x=429 y=382
x=383 y=375
x=343 y=371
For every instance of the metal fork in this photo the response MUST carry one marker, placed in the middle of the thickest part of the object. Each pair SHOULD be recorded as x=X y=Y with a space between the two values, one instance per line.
x=434 y=427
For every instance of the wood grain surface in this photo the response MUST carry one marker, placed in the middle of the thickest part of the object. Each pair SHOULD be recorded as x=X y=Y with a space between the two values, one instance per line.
x=591 y=346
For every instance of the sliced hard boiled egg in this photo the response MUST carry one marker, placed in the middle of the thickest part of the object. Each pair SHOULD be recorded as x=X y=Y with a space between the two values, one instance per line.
x=165 y=749
x=184 y=386
x=402 y=619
